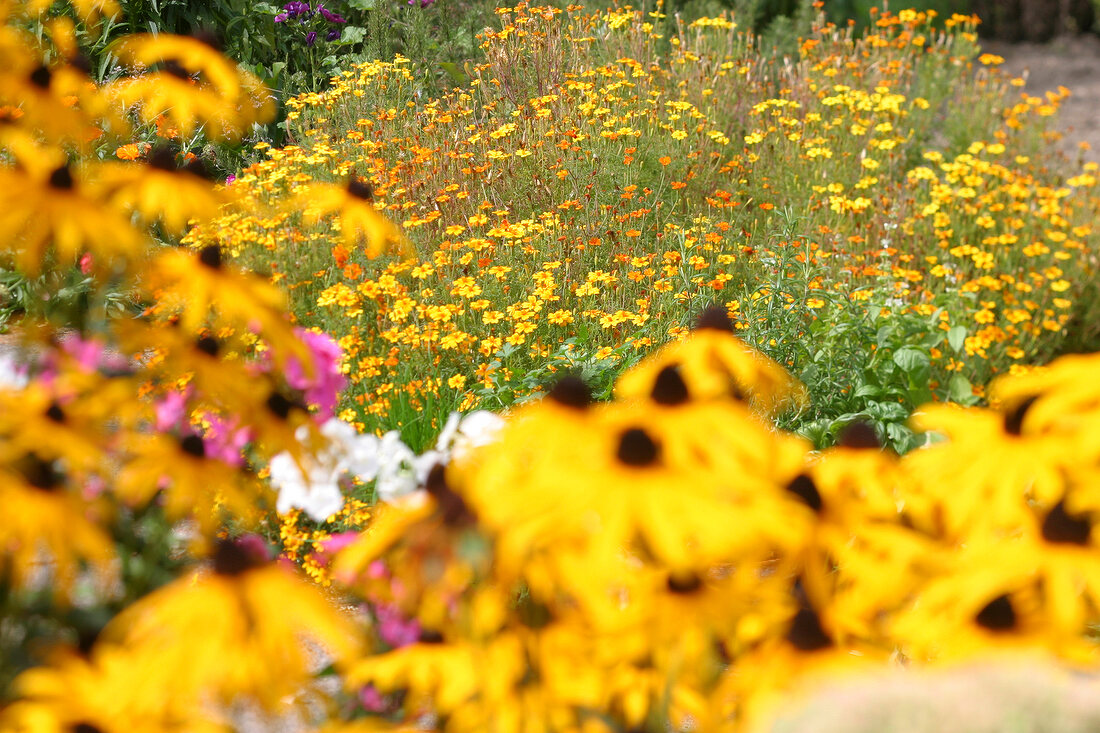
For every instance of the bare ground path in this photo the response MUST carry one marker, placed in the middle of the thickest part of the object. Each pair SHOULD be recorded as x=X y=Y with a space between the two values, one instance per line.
x=1069 y=61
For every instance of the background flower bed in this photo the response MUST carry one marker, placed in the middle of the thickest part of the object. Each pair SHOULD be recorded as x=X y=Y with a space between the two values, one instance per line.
x=883 y=215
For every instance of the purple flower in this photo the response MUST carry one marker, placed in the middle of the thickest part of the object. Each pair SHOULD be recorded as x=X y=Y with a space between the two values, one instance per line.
x=333 y=35
x=311 y=38
x=280 y=17
x=296 y=8
x=330 y=16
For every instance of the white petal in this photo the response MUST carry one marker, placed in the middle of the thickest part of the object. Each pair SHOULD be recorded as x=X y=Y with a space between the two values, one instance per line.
x=447 y=434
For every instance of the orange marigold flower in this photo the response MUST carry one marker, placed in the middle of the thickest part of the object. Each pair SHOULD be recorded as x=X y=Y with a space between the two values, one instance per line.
x=133 y=151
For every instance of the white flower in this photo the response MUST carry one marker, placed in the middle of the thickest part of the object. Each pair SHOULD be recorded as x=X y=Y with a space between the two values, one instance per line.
x=13 y=374
x=315 y=490
x=396 y=476
x=463 y=434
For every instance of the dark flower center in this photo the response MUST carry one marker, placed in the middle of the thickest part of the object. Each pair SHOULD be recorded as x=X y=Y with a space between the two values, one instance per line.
x=1014 y=418
x=84 y=728
x=193 y=445
x=805 y=489
x=859 y=435
x=211 y=256
x=279 y=405
x=207 y=345
x=430 y=636
x=41 y=77
x=360 y=189
x=80 y=62
x=669 y=387
x=197 y=167
x=534 y=615
x=55 y=413
x=210 y=38
x=39 y=473
x=234 y=557
x=806 y=633
x=683 y=583
x=162 y=158
x=62 y=178
x=456 y=512
x=636 y=448
x=173 y=67
x=998 y=615
x=715 y=317
x=1060 y=528
x=571 y=391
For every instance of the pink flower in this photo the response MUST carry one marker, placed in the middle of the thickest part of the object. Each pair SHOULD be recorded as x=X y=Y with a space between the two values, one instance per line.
x=86 y=353
x=393 y=628
x=170 y=411
x=333 y=544
x=86 y=263
x=224 y=441
x=323 y=380
x=371 y=699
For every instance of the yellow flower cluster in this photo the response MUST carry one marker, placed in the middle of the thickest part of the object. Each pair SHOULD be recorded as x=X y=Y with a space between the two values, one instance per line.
x=121 y=437
x=669 y=558
x=581 y=211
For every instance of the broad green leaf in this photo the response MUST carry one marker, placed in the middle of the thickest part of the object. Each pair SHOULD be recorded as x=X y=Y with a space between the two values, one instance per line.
x=956 y=336
x=911 y=359
x=353 y=34
x=960 y=390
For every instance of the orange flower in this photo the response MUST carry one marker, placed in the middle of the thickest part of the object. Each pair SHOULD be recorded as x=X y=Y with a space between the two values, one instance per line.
x=664 y=160
x=164 y=129
x=133 y=151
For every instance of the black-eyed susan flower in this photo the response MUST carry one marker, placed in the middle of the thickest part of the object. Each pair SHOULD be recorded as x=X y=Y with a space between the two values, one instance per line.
x=714 y=364
x=202 y=286
x=162 y=191
x=189 y=483
x=191 y=83
x=52 y=534
x=51 y=206
x=361 y=225
x=108 y=690
x=240 y=628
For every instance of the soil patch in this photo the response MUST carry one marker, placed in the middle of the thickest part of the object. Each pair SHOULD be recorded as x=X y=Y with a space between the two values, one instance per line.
x=1069 y=61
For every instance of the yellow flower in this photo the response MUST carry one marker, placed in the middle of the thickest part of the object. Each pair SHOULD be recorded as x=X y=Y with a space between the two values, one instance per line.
x=49 y=530
x=240 y=629
x=360 y=222
x=716 y=364
x=49 y=204
x=109 y=690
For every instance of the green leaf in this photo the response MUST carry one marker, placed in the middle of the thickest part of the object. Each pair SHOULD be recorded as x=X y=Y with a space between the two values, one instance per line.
x=956 y=336
x=362 y=4
x=960 y=390
x=353 y=34
x=453 y=71
x=911 y=359
x=868 y=390
x=900 y=437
